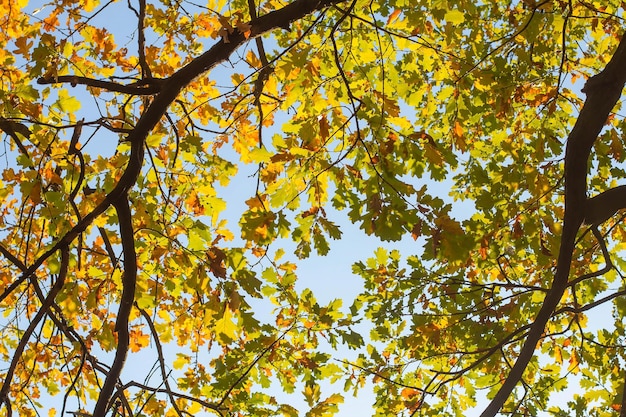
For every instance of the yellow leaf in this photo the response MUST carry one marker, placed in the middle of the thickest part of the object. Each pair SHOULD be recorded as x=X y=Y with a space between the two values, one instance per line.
x=67 y=103
x=180 y=361
x=455 y=17
x=225 y=327
x=89 y=5
x=153 y=140
x=252 y=60
x=259 y=155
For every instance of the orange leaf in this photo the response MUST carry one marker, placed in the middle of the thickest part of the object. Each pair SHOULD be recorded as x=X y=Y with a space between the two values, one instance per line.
x=138 y=340
x=409 y=392
x=257 y=202
x=23 y=46
x=50 y=22
x=459 y=138
x=35 y=193
x=393 y=16
x=162 y=154
x=194 y=203
x=324 y=127
x=417 y=230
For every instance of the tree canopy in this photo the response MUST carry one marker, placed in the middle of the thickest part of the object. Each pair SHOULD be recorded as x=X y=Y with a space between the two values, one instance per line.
x=489 y=133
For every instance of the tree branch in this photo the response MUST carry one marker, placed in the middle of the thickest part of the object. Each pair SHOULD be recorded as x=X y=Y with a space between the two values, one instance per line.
x=12 y=128
x=129 y=281
x=171 y=87
x=603 y=206
x=141 y=40
x=159 y=348
x=141 y=88
x=43 y=310
x=603 y=91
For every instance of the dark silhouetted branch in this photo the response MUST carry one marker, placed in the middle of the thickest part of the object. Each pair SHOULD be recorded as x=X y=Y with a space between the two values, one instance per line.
x=129 y=280
x=603 y=91
x=140 y=88
x=603 y=206
x=41 y=313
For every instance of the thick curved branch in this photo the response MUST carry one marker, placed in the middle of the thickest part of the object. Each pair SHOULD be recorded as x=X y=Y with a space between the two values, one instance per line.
x=277 y=19
x=127 y=180
x=129 y=281
x=603 y=91
x=170 y=88
x=603 y=206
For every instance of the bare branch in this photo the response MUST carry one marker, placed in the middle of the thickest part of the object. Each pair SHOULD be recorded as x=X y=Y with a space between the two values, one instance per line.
x=141 y=40
x=145 y=87
x=254 y=362
x=205 y=404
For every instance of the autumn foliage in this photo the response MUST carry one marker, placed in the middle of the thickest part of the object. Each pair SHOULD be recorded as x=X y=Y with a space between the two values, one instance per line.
x=166 y=166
